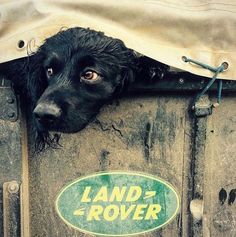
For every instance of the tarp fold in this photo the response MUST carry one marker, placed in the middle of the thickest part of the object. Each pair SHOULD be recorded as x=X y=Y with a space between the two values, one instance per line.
x=165 y=30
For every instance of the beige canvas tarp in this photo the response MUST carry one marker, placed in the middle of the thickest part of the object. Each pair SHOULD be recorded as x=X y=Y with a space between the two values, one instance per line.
x=166 y=30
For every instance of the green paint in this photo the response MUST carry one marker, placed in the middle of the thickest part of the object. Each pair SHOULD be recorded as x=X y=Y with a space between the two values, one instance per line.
x=117 y=203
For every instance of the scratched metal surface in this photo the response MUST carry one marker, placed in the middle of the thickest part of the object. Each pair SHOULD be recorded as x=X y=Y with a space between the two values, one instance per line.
x=148 y=134
x=152 y=134
x=10 y=157
x=220 y=175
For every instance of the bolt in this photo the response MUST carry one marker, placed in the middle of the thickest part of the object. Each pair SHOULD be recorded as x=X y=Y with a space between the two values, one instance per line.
x=13 y=187
x=11 y=115
x=181 y=81
x=10 y=100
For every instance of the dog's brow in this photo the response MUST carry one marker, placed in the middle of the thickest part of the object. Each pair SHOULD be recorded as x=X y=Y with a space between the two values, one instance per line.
x=85 y=61
x=52 y=59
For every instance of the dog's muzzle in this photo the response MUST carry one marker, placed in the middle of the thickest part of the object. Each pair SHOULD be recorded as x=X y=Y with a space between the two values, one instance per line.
x=47 y=114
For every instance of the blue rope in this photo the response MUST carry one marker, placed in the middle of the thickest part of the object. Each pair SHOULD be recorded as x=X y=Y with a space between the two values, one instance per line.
x=219 y=91
x=216 y=71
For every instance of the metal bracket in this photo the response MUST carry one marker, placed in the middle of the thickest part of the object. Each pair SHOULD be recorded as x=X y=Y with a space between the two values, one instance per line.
x=11 y=209
x=8 y=101
x=202 y=109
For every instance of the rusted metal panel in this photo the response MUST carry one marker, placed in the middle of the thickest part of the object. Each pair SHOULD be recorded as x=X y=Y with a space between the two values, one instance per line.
x=10 y=147
x=8 y=101
x=154 y=134
x=219 y=174
x=181 y=81
x=134 y=134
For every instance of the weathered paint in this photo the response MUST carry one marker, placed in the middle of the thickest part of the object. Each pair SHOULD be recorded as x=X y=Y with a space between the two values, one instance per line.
x=152 y=134
x=10 y=144
x=118 y=203
x=116 y=141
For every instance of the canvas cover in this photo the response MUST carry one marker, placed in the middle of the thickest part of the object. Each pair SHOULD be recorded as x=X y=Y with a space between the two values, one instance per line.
x=165 y=30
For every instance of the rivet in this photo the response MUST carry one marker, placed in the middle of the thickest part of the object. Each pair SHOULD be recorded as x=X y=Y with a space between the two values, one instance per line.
x=13 y=187
x=184 y=58
x=11 y=115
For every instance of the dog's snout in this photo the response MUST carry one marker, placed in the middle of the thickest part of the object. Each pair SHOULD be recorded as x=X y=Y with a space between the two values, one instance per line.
x=47 y=113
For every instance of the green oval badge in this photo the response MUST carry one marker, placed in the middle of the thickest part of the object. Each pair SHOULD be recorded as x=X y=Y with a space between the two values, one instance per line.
x=117 y=203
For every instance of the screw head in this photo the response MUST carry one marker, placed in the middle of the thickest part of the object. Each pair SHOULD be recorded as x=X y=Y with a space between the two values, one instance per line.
x=13 y=187
x=181 y=81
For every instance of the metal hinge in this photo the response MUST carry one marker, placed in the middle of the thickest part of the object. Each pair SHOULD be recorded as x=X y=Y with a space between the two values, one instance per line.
x=202 y=109
x=8 y=101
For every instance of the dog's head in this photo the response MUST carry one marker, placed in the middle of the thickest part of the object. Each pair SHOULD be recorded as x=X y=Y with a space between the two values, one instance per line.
x=73 y=74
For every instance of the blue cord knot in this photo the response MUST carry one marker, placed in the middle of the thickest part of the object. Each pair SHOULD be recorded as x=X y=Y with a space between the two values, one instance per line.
x=216 y=71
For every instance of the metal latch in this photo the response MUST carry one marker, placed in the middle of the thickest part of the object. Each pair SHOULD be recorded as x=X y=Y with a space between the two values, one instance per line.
x=11 y=209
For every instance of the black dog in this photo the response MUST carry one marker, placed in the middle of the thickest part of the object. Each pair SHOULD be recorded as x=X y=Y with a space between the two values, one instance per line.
x=70 y=77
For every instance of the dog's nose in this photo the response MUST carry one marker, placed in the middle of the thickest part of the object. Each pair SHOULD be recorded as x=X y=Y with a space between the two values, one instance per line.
x=47 y=113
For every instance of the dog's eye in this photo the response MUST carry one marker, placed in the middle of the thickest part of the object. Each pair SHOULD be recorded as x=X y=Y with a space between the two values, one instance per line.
x=90 y=76
x=49 y=71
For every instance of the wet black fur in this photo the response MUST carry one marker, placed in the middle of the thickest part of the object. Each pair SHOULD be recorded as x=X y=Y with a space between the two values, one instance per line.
x=69 y=52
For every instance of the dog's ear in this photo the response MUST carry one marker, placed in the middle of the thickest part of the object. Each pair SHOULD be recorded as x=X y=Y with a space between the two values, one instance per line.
x=27 y=75
x=15 y=71
x=129 y=70
x=128 y=78
x=36 y=77
x=36 y=84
